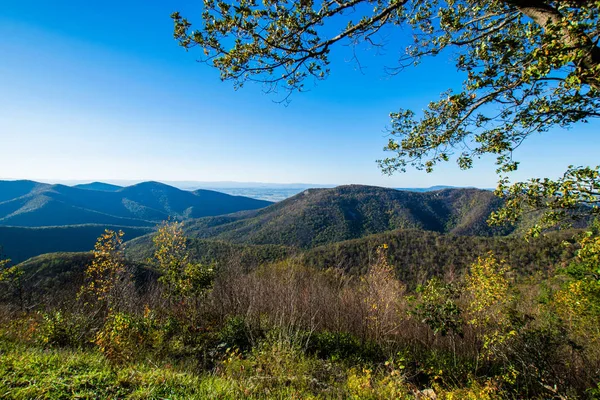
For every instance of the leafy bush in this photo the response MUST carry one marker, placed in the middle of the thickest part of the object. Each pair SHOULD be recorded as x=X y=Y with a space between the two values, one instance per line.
x=343 y=346
x=389 y=383
x=123 y=337
x=61 y=328
x=235 y=334
x=274 y=368
x=437 y=307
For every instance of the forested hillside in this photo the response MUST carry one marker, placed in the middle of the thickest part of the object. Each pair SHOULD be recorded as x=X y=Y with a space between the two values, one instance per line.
x=20 y=243
x=320 y=216
x=415 y=255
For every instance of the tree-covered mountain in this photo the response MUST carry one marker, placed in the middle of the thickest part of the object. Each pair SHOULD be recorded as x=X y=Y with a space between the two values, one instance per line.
x=415 y=255
x=418 y=255
x=321 y=216
x=52 y=278
x=426 y=233
x=31 y=204
x=10 y=190
x=20 y=243
x=219 y=252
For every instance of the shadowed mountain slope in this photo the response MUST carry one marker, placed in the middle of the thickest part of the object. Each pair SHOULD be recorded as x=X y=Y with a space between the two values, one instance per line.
x=13 y=189
x=19 y=243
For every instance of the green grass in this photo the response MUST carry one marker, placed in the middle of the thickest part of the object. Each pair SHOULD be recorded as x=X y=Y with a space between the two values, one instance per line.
x=33 y=372
x=36 y=373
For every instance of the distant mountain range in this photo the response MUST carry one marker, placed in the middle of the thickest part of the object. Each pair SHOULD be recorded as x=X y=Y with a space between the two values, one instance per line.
x=37 y=218
x=321 y=216
x=427 y=233
x=229 y=187
x=276 y=194
x=33 y=204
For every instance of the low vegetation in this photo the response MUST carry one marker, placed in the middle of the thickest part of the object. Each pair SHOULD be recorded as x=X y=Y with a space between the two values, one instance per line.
x=285 y=329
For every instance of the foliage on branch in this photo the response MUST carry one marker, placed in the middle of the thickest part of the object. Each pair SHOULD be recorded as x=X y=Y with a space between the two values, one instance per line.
x=578 y=302
x=490 y=300
x=180 y=275
x=530 y=65
x=107 y=277
x=438 y=307
x=572 y=197
x=11 y=278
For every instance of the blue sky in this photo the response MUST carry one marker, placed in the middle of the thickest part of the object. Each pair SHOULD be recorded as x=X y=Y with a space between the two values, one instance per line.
x=100 y=90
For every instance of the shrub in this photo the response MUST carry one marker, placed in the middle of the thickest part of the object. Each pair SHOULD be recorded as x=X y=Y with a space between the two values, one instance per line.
x=490 y=305
x=382 y=296
x=108 y=283
x=388 y=383
x=343 y=346
x=437 y=307
x=274 y=369
x=123 y=337
x=235 y=334
x=61 y=328
x=181 y=277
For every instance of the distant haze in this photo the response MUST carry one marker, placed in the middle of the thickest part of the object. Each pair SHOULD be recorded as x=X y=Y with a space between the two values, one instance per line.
x=257 y=190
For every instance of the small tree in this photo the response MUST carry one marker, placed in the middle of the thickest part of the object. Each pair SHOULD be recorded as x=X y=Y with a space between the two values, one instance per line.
x=489 y=301
x=108 y=280
x=12 y=277
x=383 y=295
x=438 y=308
x=181 y=277
x=578 y=302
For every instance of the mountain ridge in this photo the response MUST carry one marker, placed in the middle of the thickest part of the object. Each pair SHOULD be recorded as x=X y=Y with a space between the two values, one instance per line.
x=33 y=204
x=321 y=216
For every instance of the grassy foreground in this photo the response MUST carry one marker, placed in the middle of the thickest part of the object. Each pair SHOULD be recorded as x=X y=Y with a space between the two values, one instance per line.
x=33 y=372
x=37 y=373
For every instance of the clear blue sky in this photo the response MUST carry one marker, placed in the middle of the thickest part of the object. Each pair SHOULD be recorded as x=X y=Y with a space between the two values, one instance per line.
x=100 y=90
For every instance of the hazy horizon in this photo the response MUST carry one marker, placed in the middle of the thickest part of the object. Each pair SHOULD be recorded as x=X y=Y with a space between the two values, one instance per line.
x=218 y=184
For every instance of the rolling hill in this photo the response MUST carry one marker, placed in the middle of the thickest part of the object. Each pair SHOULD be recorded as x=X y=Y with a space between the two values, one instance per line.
x=10 y=190
x=31 y=204
x=417 y=255
x=57 y=277
x=209 y=251
x=427 y=233
x=321 y=216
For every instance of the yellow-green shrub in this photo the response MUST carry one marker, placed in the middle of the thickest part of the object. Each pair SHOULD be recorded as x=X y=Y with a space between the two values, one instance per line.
x=123 y=336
